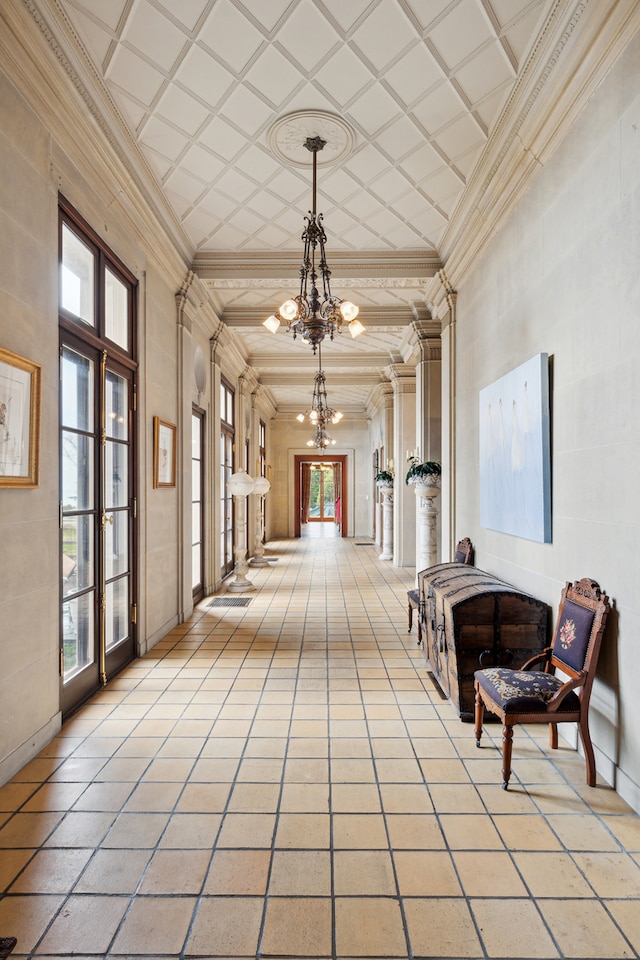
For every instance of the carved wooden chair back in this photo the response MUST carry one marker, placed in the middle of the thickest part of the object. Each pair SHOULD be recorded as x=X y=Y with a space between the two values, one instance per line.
x=464 y=551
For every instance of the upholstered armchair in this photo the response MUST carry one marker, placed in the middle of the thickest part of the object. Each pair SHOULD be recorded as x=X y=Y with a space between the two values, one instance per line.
x=535 y=693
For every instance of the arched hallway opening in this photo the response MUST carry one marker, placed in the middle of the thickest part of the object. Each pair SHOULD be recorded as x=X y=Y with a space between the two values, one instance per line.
x=282 y=778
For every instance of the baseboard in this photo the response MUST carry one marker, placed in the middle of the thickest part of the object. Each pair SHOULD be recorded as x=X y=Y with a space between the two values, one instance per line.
x=16 y=760
x=144 y=646
x=628 y=789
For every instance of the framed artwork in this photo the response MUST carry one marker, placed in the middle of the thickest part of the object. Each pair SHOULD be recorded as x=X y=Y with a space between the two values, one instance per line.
x=164 y=453
x=515 y=452
x=19 y=420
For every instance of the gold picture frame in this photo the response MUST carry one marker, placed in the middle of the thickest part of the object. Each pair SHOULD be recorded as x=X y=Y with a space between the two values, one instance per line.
x=20 y=385
x=164 y=453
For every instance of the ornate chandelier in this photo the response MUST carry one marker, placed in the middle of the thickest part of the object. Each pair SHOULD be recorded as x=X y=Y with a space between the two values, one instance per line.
x=320 y=413
x=312 y=314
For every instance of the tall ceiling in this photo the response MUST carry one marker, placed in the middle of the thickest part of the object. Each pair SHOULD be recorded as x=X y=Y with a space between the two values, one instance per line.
x=417 y=87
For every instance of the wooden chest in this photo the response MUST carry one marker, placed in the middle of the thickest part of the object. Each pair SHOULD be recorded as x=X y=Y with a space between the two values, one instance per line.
x=473 y=620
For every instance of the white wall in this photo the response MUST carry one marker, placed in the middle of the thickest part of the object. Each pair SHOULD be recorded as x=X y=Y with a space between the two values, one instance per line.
x=563 y=278
x=29 y=518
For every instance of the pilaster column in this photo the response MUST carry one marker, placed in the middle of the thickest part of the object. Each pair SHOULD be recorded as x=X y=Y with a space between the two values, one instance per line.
x=184 y=366
x=447 y=312
x=403 y=382
x=428 y=430
x=387 y=393
x=428 y=390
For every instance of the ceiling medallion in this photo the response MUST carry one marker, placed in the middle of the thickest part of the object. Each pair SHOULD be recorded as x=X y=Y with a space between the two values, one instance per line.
x=287 y=136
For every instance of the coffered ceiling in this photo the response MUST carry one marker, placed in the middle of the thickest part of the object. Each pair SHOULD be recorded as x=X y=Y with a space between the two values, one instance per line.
x=419 y=85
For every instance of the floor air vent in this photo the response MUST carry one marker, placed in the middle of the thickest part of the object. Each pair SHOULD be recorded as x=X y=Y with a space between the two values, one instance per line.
x=230 y=602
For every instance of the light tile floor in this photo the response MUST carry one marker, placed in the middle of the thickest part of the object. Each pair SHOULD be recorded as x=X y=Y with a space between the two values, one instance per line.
x=283 y=780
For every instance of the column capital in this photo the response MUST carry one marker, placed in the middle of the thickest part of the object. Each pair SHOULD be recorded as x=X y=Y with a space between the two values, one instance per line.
x=402 y=378
x=429 y=343
x=183 y=319
x=450 y=294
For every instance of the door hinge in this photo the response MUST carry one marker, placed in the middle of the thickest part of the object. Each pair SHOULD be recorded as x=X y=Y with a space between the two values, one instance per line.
x=134 y=398
x=134 y=613
x=61 y=661
x=60 y=515
x=134 y=508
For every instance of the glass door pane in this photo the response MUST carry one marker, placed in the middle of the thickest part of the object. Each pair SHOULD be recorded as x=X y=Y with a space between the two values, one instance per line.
x=78 y=580
x=116 y=511
x=77 y=273
x=322 y=505
x=226 y=503
x=197 y=504
x=116 y=309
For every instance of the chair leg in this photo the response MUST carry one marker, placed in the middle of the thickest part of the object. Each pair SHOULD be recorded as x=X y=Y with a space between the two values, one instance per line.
x=479 y=717
x=507 y=746
x=583 y=730
x=553 y=736
x=419 y=631
x=410 y=618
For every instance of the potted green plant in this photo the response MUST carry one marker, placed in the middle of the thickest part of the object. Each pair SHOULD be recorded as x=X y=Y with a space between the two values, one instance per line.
x=427 y=472
x=383 y=478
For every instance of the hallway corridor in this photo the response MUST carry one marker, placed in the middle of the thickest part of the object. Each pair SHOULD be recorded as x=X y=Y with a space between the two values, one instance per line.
x=282 y=779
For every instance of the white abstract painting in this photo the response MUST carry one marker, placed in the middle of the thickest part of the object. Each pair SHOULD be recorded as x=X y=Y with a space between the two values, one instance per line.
x=515 y=468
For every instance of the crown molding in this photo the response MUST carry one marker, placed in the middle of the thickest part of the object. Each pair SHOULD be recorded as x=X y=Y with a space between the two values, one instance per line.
x=68 y=93
x=409 y=267
x=295 y=378
x=579 y=42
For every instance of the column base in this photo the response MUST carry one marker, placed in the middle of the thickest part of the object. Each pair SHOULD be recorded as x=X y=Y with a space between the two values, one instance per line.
x=240 y=585
x=258 y=562
x=385 y=556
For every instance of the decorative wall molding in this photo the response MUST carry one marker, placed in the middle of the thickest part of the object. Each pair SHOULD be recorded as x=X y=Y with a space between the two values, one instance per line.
x=406 y=265
x=402 y=378
x=535 y=119
x=101 y=136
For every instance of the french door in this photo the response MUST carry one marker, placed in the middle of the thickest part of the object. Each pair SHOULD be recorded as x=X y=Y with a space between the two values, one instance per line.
x=97 y=296
x=97 y=518
x=322 y=495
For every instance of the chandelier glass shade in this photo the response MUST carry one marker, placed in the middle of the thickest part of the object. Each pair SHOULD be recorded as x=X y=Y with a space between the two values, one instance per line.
x=315 y=313
x=321 y=439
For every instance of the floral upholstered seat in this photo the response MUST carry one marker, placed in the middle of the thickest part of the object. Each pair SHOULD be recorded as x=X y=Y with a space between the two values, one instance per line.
x=517 y=690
